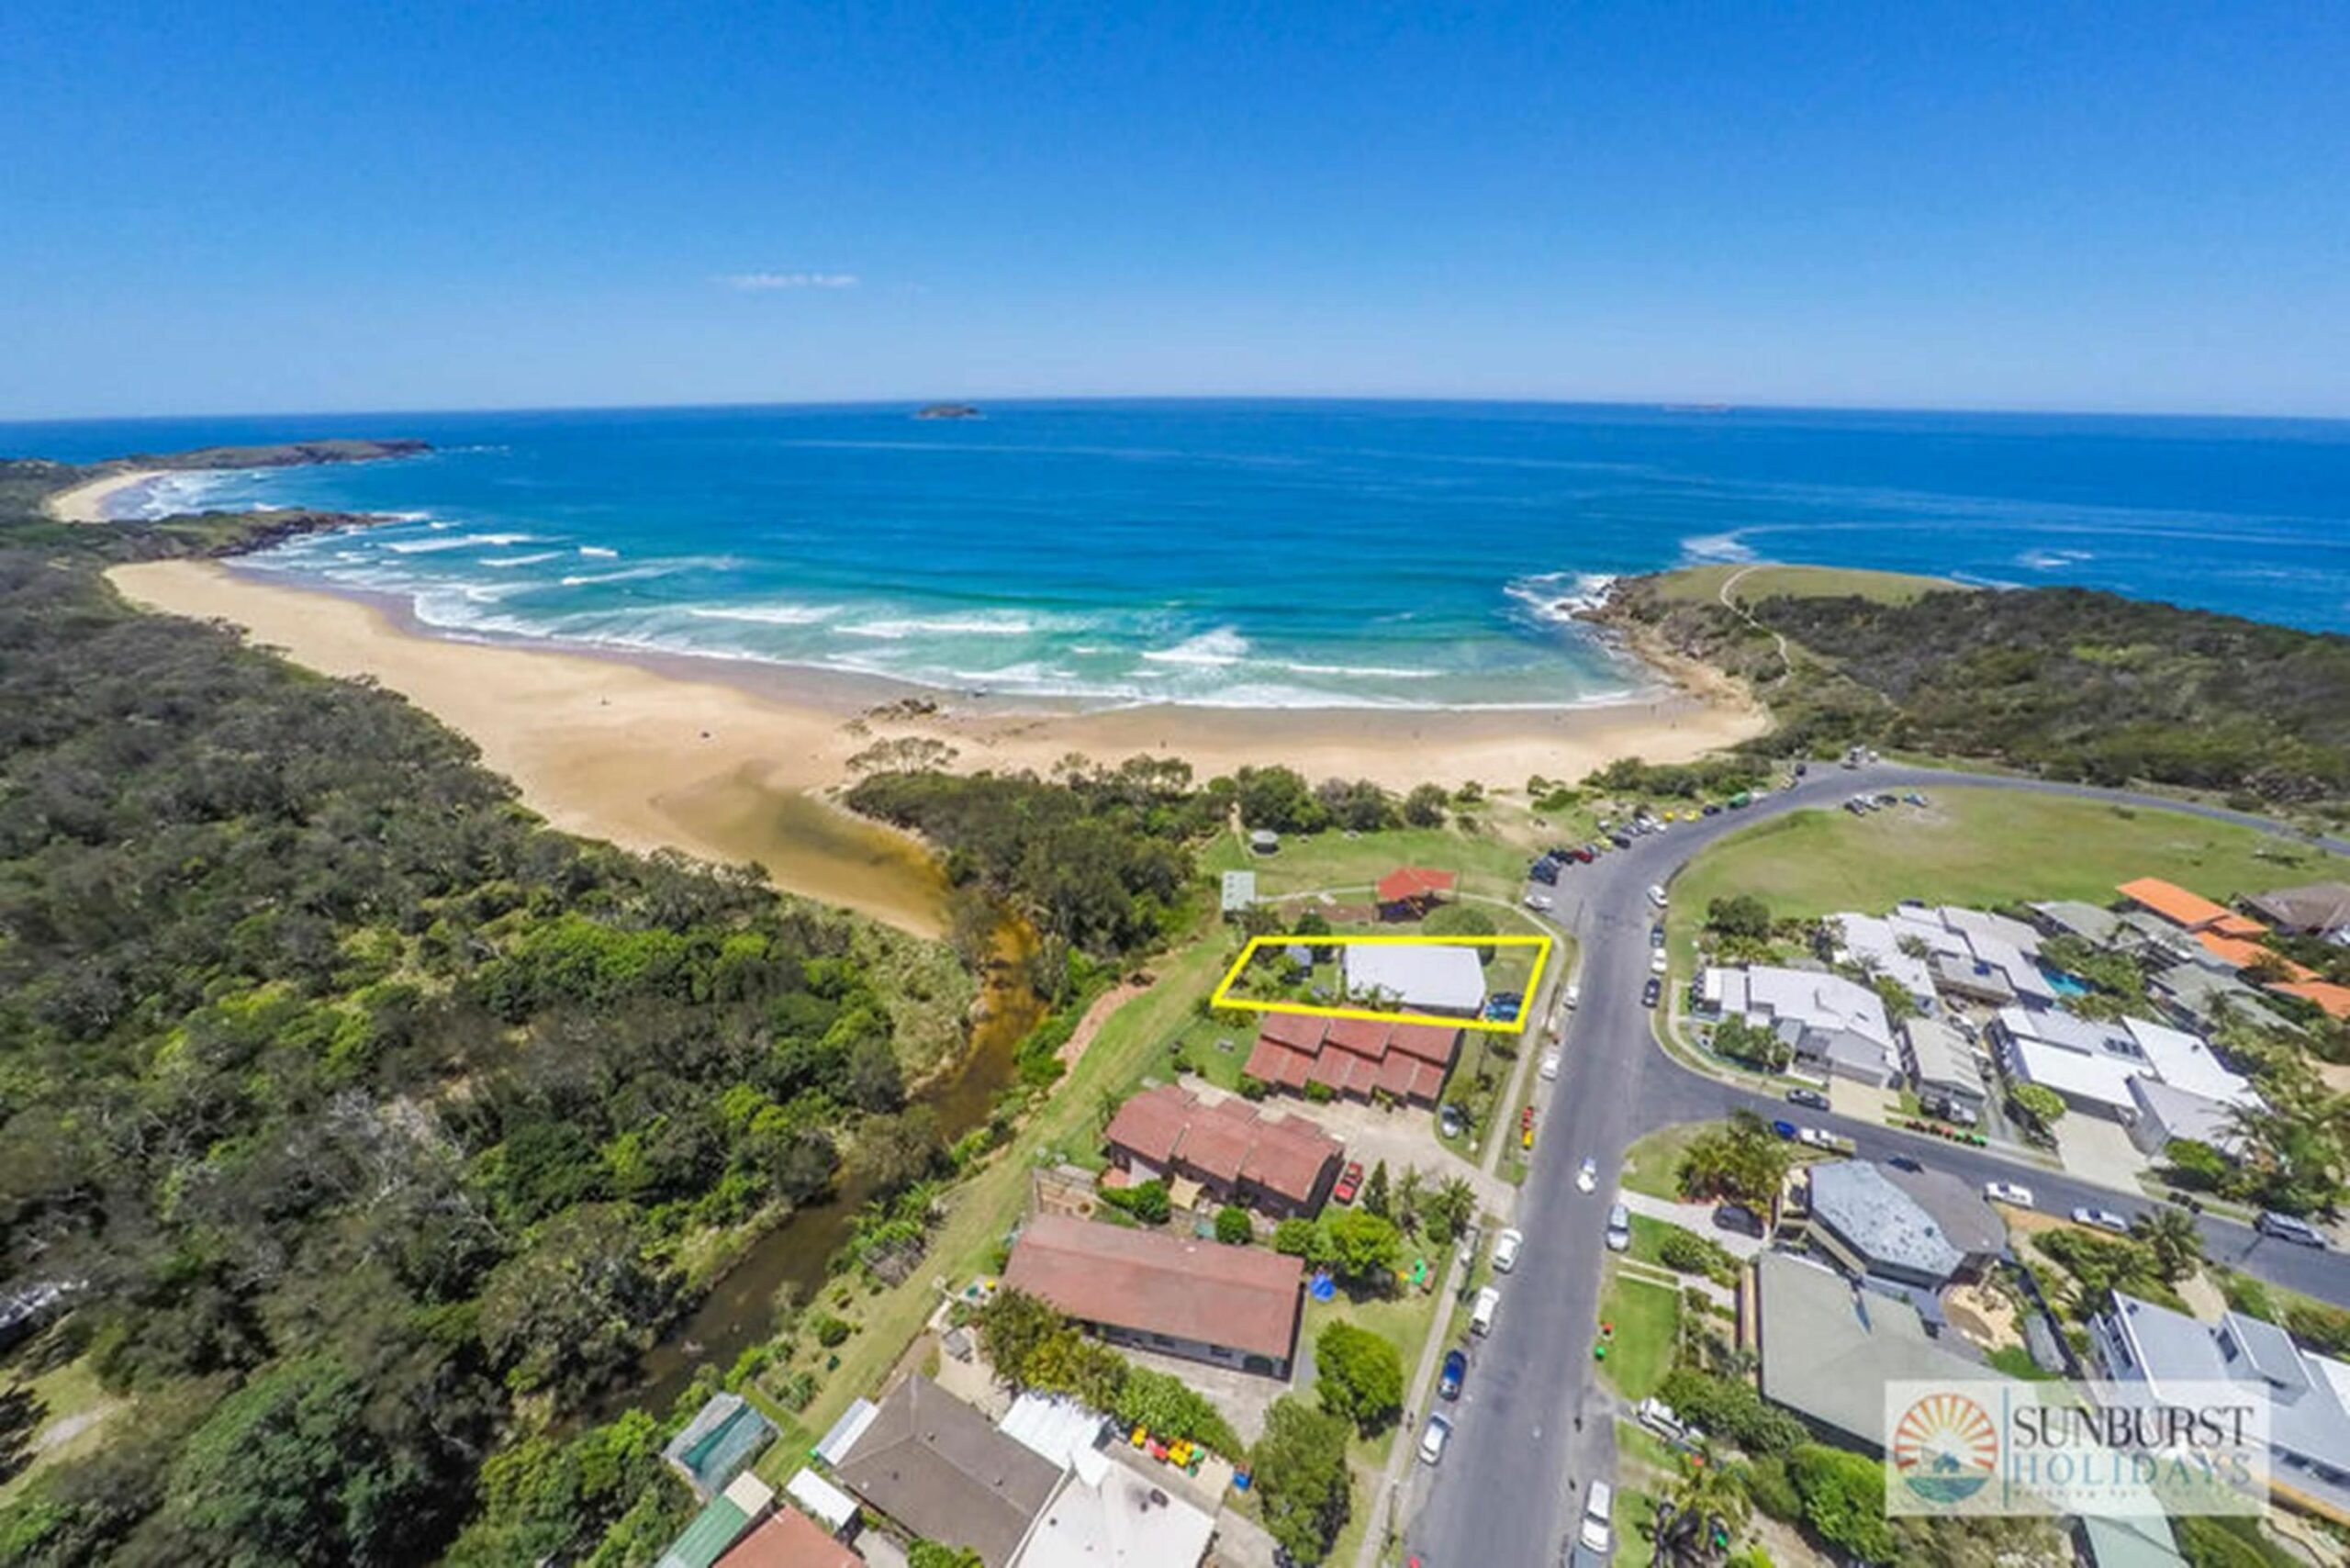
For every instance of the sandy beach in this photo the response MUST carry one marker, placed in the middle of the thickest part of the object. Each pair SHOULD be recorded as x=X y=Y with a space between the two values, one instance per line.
x=729 y=760
x=87 y=503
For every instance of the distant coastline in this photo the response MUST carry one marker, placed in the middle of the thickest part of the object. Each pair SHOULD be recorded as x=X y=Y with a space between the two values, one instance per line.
x=90 y=500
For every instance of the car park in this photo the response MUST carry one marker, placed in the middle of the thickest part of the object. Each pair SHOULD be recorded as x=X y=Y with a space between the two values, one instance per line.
x=1619 y=1227
x=1350 y=1182
x=1435 y=1432
x=1455 y=1374
x=1652 y=991
x=1506 y=1248
x=2290 y=1227
x=2008 y=1192
x=2102 y=1219
x=1809 y=1098
x=1597 y=1531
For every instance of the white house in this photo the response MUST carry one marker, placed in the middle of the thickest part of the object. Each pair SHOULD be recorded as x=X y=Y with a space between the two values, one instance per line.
x=1421 y=978
x=1828 y=1021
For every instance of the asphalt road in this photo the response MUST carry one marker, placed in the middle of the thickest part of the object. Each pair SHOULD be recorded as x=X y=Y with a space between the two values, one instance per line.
x=1534 y=1426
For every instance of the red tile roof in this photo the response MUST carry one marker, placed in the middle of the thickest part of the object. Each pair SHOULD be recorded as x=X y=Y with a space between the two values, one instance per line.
x=1408 y=882
x=1430 y=1042
x=1229 y=1141
x=1242 y=1298
x=2333 y=999
x=1354 y=1057
x=789 y=1539
x=1363 y=1037
x=1298 y=1031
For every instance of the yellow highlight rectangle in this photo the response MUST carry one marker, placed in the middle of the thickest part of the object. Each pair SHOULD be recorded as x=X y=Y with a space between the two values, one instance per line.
x=1222 y=997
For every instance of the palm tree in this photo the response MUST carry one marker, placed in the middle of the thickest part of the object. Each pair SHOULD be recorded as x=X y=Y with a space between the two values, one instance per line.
x=2171 y=1234
x=1410 y=1195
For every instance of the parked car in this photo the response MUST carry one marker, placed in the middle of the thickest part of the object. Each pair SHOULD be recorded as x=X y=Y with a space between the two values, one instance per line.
x=1544 y=871
x=1456 y=1372
x=1809 y=1098
x=1350 y=1182
x=1582 y=853
x=1449 y=1120
x=1658 y=962
x=1551 y=1062
x=1784 y=1129
x=1506 y=1248
x=1906 y=1162
x=1662 y=1419
x=1656 y=896
x=2008 y=1193
x=1656 y=935
x=1820 y=1137
x=1652 y=991
x=1587 y=1175
x=1435 y=1432
x=1712 y=809
x=1598 y=1532
x=1481 y=1316
x=1740 y=1218
x=1538 y=901
x=1620 y=839
x=1619 y=1227
x=2102 y=1219
x=2290 y=1227
x=1573 y=997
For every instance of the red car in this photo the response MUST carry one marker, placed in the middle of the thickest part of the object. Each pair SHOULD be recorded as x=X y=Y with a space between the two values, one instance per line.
x=1350 y=1182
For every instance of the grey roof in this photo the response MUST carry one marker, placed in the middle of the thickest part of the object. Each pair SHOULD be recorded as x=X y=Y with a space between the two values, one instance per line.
x=2183 y=1114
x=2085 y=921
x=722 y=1437
x=1884 y=1224
x=1828 y=1350
x=1967 y=1221
x=1239 y=890
x=1953 y=971
x=933 y=1465
x=2306 y=1415
x=1941 y=1055
x=2317 y=906
x=2143 y=1541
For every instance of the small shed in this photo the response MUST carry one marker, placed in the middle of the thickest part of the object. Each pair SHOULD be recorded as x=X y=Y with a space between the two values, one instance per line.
x=723 y=1438
x=1264 y=841
x=1239 y=894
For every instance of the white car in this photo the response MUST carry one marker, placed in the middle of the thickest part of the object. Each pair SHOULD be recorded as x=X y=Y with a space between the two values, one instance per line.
x=1587 y=1176
x=1574 y=995
x=2102 y=1219
x=1656 y=896
x=1481 y=1316
x=2008 y=1193
x=1657 y=964
x=1538 y=901
x=1434 y=1434
x=1550 y=1065
x=1506 y=1248
x=1597 y=1533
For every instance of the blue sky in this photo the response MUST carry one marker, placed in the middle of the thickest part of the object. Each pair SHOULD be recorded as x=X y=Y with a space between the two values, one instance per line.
x=230 y=205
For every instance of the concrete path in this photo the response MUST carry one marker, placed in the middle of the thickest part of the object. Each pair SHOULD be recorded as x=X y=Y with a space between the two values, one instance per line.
x=1699 y=1217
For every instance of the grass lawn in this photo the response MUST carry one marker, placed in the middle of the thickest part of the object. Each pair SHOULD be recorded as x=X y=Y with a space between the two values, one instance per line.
x=1485 y=863
x=1981 y=847
x=983 y=1208
x=1648 y=1241
x=2017 y=1362
x=66 y=1392
x=1759 y=582
x=1649 y=1165
x=1647 y=1320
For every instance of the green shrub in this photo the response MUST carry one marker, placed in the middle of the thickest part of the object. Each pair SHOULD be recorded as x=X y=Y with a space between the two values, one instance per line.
x=1233 y=1225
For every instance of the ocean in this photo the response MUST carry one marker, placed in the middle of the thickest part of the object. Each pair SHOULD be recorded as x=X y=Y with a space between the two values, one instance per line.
x=1246 y=554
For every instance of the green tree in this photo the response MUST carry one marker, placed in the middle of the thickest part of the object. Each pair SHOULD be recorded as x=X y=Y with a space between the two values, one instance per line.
x=1740 y=915
x=1299 y=1475
x=1364 y=1248
x=1741 y=1161
x=577 y=1306
x=1233 y=1225
x=1844 y=1499
x=1375 y=1195
x=2041 y=1105
x=934 y=1555
x=1463 y=919
x=1447 y=1211
x=1424 y=806
x=2172 y=1236
x=1014 y=1326
x=1359 y=1375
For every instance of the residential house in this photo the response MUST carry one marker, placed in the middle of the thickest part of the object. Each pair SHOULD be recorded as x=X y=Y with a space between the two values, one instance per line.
x=1409 y=892
x=2189 y=912
x=2319 y=908
x=1830 y=1023
x=1231 y=1306
x=1872 y=943
x=1107 y=1512
x=2070 y=917
x=1943 y=1066
x=1857 y=1214
x=933 y=1465
x=1354 y=1057
x=2092 y=1064
x=1414 y=977
x=1969 y=979
x=2139 y=1344
x=2162 y=1116
x=1282 y=1165
x=789 y=1539
x=709 y=1536
x=1828 y=1348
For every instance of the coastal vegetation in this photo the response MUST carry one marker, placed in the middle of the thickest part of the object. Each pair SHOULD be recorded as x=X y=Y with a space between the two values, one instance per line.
x=365 y=1126
x=2071 y=683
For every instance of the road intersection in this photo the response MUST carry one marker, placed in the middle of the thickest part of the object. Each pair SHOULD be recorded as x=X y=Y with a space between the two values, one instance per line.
x=1536 y=1426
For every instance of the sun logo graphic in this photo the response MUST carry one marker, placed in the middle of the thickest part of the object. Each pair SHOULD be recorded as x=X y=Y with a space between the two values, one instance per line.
x=1944 y=1448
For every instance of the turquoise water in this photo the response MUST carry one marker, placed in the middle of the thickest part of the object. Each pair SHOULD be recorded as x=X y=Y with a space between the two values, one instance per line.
x=1251 y=554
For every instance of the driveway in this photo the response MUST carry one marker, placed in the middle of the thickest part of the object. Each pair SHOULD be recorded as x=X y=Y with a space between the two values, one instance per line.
x=2098 y=1150
x=1403 y=1137
x=1697 y=1217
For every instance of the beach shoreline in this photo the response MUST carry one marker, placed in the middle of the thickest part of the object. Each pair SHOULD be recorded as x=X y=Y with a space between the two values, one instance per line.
x=86 y=502
x=711 y=755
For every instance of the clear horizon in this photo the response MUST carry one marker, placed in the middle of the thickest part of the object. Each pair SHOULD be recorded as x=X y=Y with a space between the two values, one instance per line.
x=2011 y=210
